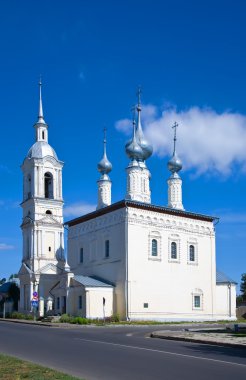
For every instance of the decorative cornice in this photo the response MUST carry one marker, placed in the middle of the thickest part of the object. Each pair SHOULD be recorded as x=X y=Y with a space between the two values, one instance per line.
x=143 y=206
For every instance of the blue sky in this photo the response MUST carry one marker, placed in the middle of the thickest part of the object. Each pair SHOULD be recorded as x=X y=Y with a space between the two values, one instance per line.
x=189 y=57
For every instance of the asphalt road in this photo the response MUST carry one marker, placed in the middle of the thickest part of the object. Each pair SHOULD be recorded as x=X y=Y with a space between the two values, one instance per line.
x=120 y=353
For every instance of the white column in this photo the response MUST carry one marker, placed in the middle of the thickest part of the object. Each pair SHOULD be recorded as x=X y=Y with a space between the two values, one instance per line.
x=104 y=192
x=175 y=192
x=138 y=183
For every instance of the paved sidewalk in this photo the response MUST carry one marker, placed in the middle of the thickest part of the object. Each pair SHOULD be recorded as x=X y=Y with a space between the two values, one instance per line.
x=221 y=337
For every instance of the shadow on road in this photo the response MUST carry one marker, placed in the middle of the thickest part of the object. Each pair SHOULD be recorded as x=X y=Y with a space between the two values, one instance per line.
x=210 y=350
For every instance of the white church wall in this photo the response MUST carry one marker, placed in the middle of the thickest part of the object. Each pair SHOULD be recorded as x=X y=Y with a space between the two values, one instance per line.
x=91 y=236
x=94 y=302
x=160 y=287
x=226 y=301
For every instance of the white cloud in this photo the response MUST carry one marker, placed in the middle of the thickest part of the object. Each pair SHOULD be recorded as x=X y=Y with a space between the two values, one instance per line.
x=78 y=209
x=207 y=141
x=6 y=247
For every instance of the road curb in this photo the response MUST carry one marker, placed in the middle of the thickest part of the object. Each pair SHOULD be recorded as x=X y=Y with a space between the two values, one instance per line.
x=203 y=341
x=24 y=322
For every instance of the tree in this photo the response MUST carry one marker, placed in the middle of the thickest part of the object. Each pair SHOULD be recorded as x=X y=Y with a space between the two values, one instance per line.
x=2 y=281
x=14 y=294
x=243 y=285
x=13 y=276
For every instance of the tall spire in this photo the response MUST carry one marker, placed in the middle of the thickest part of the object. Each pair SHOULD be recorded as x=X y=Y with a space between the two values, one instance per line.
x=40 y=125
x=133 y=148
x=174 y=164
x=104 y=184
x=40 y=112
x=144 y=144
x=174 y=181
x=104 y=166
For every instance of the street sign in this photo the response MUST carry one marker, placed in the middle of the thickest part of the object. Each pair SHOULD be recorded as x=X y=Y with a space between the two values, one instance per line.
x=35 y=296
x=34 y=303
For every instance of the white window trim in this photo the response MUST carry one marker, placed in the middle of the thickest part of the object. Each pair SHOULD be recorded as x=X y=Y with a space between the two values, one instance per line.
x=176 y=240
x=157 y=236
x=198 y=293
x=190 y=242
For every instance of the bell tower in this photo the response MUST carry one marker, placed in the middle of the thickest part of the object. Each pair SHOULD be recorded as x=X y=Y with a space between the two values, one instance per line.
x=42 y=223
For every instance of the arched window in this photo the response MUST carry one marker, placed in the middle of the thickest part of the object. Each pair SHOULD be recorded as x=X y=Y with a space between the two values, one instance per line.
x=192 y=252
x=29 y=186
x=48 y=185
x=154 y=248
x=173 y=250
x=43 y=135
x=106 y=248
x=48 y=212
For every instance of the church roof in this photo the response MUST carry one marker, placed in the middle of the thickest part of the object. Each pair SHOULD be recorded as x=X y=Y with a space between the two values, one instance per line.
x=143 y=206
x=41 y=149
x=222 y=278
x=91 y=282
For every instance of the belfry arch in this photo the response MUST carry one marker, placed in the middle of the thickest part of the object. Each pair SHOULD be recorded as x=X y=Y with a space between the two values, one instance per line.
x=48 y=185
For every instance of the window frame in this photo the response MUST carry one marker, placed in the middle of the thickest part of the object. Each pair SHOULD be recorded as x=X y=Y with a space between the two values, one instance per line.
x=106 y=249
x=195 y=294
x=174 y=239
x=154 y=248
x=155 y=236
x=192 y=242
x=174 y=254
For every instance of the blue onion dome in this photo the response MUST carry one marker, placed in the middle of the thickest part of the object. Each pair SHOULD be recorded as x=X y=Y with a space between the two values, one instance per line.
x=174 y=164
x=104 y=166
x=142 y=141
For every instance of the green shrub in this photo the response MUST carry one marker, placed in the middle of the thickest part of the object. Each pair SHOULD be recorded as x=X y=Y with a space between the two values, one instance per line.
x=16 y=315
x=80 y=321
x=65 y=318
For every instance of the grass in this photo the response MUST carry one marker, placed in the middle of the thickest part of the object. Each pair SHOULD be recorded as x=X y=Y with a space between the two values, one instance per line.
x=16 y=369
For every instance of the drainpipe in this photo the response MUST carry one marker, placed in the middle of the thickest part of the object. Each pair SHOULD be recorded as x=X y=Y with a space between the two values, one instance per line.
x=126 y=258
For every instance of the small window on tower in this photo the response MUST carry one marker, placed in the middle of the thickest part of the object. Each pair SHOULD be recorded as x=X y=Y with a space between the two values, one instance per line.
x=43 y=135
x=49 y=249
x=48 y=212
x=48 y=185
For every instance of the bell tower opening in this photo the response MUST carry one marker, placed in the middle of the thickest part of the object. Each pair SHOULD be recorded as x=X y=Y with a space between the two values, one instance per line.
x=48 y=185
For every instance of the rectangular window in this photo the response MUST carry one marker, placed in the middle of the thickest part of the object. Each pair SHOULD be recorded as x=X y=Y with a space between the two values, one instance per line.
x=81 y=255
x=80 y=302
x=197 y=301
x=146 y=305
x=107 y=248
x=154 y=247
x=58 y=303
x=174 y=250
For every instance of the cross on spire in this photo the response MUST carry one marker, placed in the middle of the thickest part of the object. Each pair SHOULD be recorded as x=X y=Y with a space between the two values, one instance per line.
x=175 y=126
x=139 y=93
x=133 y=109
x=104 y=139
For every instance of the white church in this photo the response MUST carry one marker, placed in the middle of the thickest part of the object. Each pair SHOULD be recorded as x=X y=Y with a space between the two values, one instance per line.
x=131 y=258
